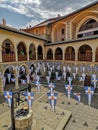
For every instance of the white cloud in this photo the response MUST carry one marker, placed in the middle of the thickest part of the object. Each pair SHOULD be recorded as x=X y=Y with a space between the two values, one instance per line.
x=42 y=9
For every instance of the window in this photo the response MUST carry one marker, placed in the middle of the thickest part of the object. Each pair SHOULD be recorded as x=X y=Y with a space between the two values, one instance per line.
x=62 y=39
x=36 y=31
x=7 y=48
x=63 y=31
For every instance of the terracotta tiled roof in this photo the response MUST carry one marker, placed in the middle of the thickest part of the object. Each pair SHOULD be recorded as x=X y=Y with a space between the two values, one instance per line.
x=14 y=30
x=44 y=23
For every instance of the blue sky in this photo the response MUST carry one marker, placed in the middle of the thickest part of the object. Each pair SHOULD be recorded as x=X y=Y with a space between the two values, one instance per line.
x=22 y=13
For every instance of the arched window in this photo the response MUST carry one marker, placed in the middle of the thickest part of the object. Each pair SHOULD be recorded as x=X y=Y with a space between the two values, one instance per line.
x=89 y=28
x=59 y=32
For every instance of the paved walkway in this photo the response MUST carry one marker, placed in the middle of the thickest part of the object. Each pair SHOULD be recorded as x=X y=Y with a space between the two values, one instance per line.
x=83 y=116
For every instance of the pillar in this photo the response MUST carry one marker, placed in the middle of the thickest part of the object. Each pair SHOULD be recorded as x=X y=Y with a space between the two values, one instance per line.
x=16 y=83
x=93 y=56
x=53 y=55
x=0 y=54
x=28 y=55
x=16 y=54
x=1 y=85
x=76 y=55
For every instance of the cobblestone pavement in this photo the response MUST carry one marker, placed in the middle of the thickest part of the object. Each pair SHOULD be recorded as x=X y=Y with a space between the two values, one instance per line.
x=83 y=116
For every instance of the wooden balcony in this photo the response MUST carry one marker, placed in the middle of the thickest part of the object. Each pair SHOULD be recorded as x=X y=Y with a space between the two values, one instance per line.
x=22 y=57
x=70 y=57
x=40 y=57
x=58 y=57
x=8 y=57
x=33 y=57
x=84 y=57
x=50 y=57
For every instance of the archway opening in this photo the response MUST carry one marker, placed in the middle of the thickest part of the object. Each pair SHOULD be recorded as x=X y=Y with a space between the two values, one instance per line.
x=40 y=53
x=85 y=53
x=31 y=72
x=22 y=79
x=32 y=52
x=70 y=54
x=58 y=54
x=9 y=79
x=8 y=53
x=50 y=54
x=22 y=54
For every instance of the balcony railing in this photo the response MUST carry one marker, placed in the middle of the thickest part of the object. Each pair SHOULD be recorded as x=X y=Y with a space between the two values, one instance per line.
x=58 y=57
x=40 y=57
x=89 y=26
x=50 y=57
x=85 y=57
x=70 y=57
x=8 y=57
x=33 y=57
x=22 y=57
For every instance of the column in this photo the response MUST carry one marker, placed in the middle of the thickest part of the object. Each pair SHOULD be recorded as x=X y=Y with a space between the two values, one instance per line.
x=28 y=55
x=28 y=75
x=1 y=84
x=16 y=54
x=93 y=55
x=16 y=83
x=76 y=55
x=63 y=54
x=0 y=54
x=53 y=55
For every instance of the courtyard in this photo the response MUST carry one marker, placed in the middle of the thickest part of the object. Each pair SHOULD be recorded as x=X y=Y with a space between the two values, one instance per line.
x=82 y=116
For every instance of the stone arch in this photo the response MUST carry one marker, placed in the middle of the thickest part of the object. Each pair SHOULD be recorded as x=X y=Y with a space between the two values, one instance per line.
x=85 y=53
x=22 y=51
x=58 y=54
x=32 y=52
x=23 y=72
x=9 y=78
x=79 y=19
x=59 y=32
x=8 y=51
x=70 y=53
x=83 y=29
x=50 y=54
x=40 y=52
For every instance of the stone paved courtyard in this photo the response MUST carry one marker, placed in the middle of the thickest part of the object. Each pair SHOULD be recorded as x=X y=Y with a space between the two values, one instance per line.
x=83 y=116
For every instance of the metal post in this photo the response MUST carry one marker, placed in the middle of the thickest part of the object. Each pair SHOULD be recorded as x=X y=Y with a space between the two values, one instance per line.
x=12 y=113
